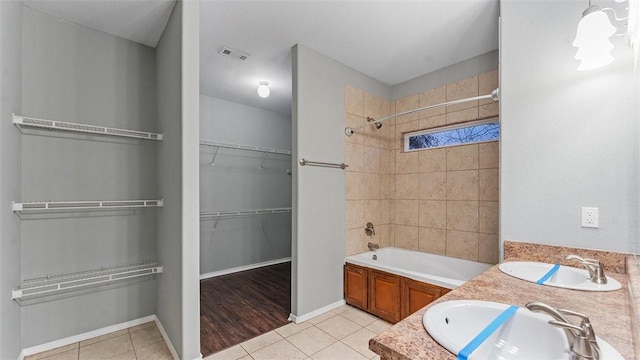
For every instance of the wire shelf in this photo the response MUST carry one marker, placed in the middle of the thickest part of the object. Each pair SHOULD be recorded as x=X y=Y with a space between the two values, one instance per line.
x=54 y=284
x=23 y=121
x=237 y=213
x=50 y=206
x=219 y=144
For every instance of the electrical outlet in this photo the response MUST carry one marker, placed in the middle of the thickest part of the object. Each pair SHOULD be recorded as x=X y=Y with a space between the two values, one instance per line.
x=590 y=217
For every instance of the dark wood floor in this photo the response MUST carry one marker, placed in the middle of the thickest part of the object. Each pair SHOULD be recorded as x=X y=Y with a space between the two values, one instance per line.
x=243 y=305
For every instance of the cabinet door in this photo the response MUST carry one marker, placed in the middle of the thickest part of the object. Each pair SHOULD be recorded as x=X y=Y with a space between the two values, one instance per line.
x=384 y=295
x=355 y=286
x=416 y=295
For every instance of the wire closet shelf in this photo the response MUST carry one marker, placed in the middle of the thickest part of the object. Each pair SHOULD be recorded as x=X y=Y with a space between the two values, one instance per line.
x=81 y=280
x=29 y=122
x=95 y=205
x=239 y=213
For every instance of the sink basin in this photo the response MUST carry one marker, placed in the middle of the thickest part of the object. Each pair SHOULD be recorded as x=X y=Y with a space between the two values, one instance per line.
x=565 y=277
x=526 y=335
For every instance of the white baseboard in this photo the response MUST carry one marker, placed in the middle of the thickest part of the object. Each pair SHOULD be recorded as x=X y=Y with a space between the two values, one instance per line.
x=165 y=336
x=304 y=317
x=84 y=336
x=243 y=268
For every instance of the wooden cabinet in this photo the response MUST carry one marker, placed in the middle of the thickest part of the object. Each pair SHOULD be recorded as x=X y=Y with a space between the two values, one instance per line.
x=356 y=285
x=384 y=295
x=390 y=297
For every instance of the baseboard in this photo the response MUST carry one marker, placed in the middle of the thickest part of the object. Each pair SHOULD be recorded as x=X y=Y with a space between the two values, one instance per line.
x=243 y=268
x=300 y=318
x=165 y=336
x=84 y=336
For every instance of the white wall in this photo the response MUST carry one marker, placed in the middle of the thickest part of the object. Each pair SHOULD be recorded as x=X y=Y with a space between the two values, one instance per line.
x=318 y=193
x=569 y=138
x=10 y=144
x=236 y=182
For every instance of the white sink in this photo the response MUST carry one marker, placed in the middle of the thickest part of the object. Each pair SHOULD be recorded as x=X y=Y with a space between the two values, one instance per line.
x=526 y=335
x=565 y=277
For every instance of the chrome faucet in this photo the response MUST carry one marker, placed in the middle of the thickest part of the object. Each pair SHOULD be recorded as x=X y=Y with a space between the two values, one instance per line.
x=581 y=339
x=373 y=246
x=593 y=267
x=369 y=229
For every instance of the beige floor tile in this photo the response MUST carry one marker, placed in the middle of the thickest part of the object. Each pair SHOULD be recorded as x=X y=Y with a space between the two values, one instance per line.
x=359 y=317
x=322 y=317
x=261 y=341
x=342 y=309
x=359 y=341
x=248 y=357
x=107 y=349
x=104 y=337
x=311 y=340
x=156 y=351
x=131 y=355
x=145 y=336
x=232 y=353
x=292 y=328
x=68 y=355
x=379 y=326
x=142 y=326
x=339 y=327
x=338 y=351
x=282 y=350
x=377 y=357
x=51 y=352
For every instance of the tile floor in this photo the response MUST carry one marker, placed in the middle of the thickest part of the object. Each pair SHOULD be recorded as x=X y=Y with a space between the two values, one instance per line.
x=141 y=342
x=342 y=333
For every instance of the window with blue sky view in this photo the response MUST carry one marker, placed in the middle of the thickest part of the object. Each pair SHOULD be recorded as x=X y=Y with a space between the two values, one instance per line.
x=474 y=132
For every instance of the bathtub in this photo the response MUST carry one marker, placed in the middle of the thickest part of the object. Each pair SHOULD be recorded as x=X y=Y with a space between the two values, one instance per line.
x=438 y=270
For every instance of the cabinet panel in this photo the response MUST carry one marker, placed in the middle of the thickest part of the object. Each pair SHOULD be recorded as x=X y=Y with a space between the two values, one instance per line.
x=416 y=295
x=355 y=286
x=384 y=295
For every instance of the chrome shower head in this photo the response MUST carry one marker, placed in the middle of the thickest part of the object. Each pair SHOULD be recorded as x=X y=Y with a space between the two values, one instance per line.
x=378 y=125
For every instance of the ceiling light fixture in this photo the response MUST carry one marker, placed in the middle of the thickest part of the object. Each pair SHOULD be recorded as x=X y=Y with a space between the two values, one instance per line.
x=263 y=89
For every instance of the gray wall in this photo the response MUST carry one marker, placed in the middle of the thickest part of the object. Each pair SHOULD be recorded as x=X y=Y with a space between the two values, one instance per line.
x=10 y=144
x=169 y=292
x=318 y=193
x=452 y=73
x=569 y=138
x=236 y=182
x=72 y=73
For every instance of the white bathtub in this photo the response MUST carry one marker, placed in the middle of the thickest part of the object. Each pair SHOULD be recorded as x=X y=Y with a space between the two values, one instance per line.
x=438 y=270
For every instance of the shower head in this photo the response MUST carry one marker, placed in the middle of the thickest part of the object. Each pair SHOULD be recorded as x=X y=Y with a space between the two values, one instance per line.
x=378 y=125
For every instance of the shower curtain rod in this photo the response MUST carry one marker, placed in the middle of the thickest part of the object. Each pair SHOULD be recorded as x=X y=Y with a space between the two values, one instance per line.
x=495 y=95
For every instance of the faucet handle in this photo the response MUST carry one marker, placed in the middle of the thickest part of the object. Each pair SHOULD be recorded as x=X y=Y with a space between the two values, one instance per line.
x=582 y=347
x=587 y=328
x=583 y=260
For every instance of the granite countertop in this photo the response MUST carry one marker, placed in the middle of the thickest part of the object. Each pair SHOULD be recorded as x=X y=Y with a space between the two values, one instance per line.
x=608 y=311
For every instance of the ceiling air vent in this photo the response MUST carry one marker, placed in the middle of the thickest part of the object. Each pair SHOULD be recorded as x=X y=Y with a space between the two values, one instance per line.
x=238 y=55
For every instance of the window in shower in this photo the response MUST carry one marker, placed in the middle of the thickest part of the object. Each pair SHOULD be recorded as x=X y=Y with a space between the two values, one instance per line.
x=459 y=134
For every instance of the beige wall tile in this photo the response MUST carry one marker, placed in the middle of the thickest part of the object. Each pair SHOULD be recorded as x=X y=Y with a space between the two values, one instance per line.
x=387 y=211
x=354 y=185
x=464 y=88
x=433 y=241
x=388 y=135
x=383 y=235
x=387 y=161
x=433 y=214
x=354 y=121
x=464 y=157
x=488 y=248
x=372 y=159
x=354 y=156
x=433 y=160
x=387 y=186
x=407 y=212
x=405 y=104
x=489 y=155
x=433 y=122
x=432 y=97
x=355 y=241
x=488 y=184
x=432 y=186
x=488 y=218
x=462 y=215
x=487 y=82
x=371 y=186
x=462 y=116
x=354 y=100
x=354 y=214
x=407 y=162
x=372 y=136
x=407 y=186
x=375 y=106
x=406 y=237
x=462 y=244
x=372 y=212
x=404 y=128
x=462 y=185
x=489 y=110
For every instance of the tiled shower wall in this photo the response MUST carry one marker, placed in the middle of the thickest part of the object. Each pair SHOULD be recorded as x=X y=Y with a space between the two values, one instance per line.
x=442 y=201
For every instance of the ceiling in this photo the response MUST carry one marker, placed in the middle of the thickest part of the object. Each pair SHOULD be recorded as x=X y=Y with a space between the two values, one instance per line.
x=392 y=41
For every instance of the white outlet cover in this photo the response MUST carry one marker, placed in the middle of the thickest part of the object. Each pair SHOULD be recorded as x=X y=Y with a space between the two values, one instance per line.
x=590 y=217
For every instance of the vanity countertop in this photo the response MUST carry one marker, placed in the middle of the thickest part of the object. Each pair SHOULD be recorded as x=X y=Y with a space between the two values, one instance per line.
x=608 y=311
